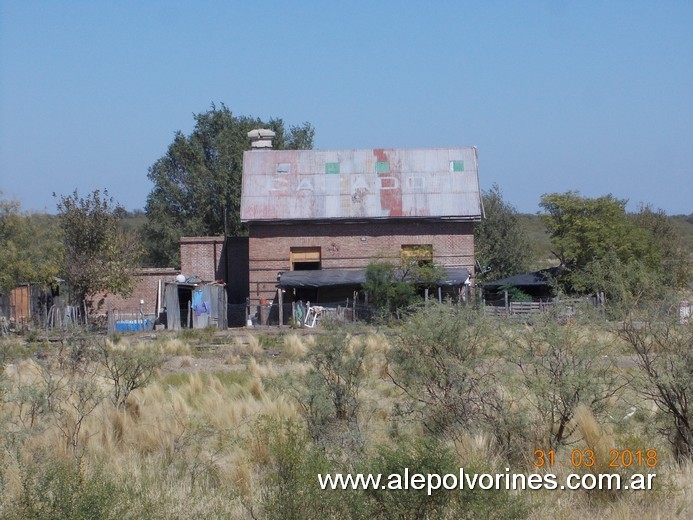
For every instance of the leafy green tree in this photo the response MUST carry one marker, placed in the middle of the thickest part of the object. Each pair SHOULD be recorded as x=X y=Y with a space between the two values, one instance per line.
x=391 y=289
x=386 y=289
x=379 y=279
x=584 y=229
x=197 y=184
x=99 y=255
x=602 y=248
x=666 y=251
x=501 y=244
x=31 y=249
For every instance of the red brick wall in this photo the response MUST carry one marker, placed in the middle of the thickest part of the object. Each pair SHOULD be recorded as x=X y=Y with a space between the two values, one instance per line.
x=146 y=284
x=202 y=256
x=352 y=245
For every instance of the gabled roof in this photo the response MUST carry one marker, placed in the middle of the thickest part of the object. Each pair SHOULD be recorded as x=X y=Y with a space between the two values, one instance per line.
x=314 y=185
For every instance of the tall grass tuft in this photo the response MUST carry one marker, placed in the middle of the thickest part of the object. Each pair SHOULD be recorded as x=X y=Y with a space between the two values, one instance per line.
x=294 y=347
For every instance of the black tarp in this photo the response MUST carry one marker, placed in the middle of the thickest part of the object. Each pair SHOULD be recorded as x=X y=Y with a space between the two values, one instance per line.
x=355 y=277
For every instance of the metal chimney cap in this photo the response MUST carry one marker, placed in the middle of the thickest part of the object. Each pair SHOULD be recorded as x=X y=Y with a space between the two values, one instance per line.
x=261 y=138
x=261 y=133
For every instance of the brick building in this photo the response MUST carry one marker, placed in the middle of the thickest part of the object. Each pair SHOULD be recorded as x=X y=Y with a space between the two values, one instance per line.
x=147 y=283
x=203 y=257
x=338 y=210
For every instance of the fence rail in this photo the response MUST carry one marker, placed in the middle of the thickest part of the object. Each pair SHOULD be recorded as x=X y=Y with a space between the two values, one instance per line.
x=523 y=309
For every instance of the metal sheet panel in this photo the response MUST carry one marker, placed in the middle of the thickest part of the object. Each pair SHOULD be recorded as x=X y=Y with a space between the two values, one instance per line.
x=355 y=184
x=346 y=277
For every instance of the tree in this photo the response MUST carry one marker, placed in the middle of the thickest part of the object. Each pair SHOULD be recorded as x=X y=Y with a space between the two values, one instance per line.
x=584 y=229
x=387 y=291
x=197 y=184
x=99 y=255
x=501 y=244
x=629 y=257
x=666 y=250
x=31 y=248
x=391 y=288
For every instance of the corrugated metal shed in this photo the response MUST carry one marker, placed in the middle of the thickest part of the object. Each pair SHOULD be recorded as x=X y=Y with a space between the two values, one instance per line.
x=360 y=184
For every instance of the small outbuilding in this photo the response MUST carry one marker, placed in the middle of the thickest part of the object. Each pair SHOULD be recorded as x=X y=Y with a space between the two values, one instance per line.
x=194 y=305
x=538 y=285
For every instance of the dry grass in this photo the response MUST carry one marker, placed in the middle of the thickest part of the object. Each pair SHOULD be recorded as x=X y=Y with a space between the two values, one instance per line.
x=190 y=443
x=295 y=347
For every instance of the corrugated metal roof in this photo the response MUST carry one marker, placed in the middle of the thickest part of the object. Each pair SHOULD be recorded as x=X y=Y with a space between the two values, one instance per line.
x=360 y=184
x=542 y=277
x=345 y=277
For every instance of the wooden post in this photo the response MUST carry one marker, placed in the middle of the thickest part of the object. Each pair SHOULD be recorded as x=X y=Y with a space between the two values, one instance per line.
x=507 y=307
x=111 y=321
x=426 y=294
x=440 y=294
x=280 y=300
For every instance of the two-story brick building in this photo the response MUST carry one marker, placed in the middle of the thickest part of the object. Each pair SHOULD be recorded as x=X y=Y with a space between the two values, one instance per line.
x=338 y=210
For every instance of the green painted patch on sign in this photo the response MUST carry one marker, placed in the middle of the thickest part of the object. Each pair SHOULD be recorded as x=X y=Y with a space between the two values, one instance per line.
x=332 y=168
x=456 y=166
x=382 y=167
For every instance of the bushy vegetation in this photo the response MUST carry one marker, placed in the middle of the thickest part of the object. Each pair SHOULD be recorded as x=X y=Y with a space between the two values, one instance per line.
x=134 y=430
x=634 y=259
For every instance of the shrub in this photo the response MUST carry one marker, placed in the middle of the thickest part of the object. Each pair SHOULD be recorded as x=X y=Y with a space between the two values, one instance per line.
x=60 y=489
x=128 y=367
x=664 y=355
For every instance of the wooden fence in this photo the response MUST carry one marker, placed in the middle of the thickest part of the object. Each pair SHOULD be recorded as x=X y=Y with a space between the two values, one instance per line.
x=524 y=309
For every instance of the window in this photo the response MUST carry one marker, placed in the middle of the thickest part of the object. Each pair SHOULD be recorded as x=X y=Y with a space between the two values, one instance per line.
x=420 y=254
x=331 y=168
x=284 y=168
x=382 y=167
x=456 y=166
x=305 y=258
x=417 y=183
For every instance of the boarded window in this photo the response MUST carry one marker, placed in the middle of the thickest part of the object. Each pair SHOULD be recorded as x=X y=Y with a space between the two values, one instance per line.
x=420 y=254
x=305 y=258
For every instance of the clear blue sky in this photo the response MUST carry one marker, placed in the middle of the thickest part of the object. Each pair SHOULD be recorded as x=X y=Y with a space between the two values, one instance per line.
x=595 y=96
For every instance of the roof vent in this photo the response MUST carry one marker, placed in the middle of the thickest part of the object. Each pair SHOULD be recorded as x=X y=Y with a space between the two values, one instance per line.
x=261 y=138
